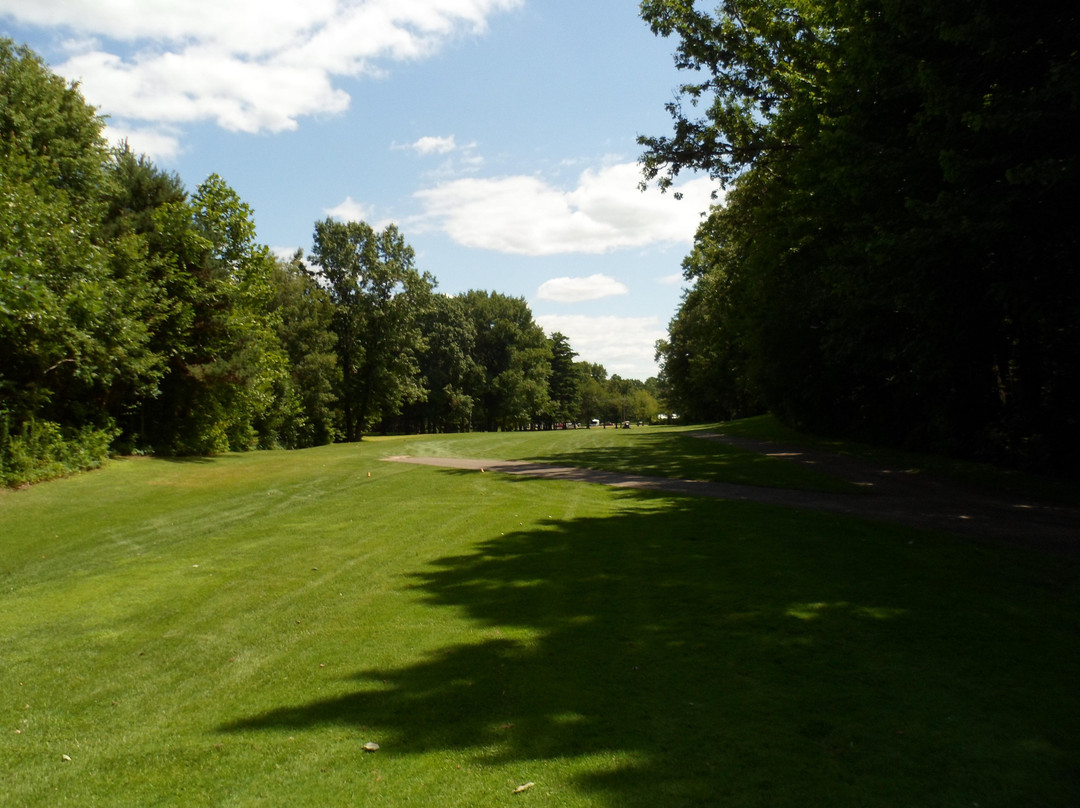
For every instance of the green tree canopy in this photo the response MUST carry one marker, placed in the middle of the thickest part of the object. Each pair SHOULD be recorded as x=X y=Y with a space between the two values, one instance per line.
x=304 y=316
x=894 y=259
x=448 y=366
x=71 y=300
x=379 y=298
x=515 y=357
x=564 y=378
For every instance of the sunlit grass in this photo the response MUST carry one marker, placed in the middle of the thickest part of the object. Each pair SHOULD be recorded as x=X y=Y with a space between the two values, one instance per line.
x=232 y=631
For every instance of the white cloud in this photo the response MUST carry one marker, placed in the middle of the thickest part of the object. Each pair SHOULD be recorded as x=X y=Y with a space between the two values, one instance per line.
x=623 y=345
x=157 y=144
x=434 y=145
x=251 y=26
x=673 y=279
x=203 y=82
x=349 y=211
x=526 y=215
x=575 y=290
x=458 y=159
x=247 y=65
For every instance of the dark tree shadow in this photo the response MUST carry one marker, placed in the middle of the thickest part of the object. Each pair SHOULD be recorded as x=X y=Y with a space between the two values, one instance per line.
x=683 y=456
x=718 y=653
x=663 y=455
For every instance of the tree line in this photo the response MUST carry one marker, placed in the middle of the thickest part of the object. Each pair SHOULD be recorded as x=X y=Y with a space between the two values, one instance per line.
x=137 y=316
x=896 y=255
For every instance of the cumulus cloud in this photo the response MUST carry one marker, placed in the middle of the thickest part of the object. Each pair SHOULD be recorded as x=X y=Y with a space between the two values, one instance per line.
x=575 y=290
x=247 y=65
x=205 y=82
x=349 y=211
x=623 y=345
x=434 y=145
x=157 y=144
x=527 y=215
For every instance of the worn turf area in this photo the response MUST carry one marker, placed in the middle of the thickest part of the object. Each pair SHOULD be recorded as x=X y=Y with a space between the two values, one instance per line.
x=233 y=631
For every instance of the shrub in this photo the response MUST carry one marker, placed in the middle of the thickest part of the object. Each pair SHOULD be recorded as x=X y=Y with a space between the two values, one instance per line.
x=42 y=450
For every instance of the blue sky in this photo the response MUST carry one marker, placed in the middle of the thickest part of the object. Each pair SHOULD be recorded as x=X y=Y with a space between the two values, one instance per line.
x=499 y=135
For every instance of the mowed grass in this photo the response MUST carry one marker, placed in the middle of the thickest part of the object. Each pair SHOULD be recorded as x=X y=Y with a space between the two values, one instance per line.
x=654 y=451
x=232 y=631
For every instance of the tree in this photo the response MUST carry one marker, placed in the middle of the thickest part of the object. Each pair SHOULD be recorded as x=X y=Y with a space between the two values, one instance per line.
x=757 y=65
x=304 y=317
x=590 y=391
x=121 y=301
x=705 y=364
x=230 y=368
x=154 y=283
x=448 y=368
x=563 y=382
x=893 y=260
x=643 y=406
x=379 y=297
x=71 y=299
x=515 y=357
x=212 y=317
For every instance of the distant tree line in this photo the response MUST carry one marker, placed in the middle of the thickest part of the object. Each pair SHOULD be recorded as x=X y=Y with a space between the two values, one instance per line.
x=139 y=317
x=896 y=258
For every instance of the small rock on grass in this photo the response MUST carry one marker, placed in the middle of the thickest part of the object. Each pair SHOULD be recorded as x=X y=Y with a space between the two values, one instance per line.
x=371 y=746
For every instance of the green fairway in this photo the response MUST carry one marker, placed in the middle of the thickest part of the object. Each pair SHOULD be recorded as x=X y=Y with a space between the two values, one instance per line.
x=659 y=451
x=232 y=631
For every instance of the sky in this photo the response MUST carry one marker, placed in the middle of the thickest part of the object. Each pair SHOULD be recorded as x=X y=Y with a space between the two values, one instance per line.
x=500 y=136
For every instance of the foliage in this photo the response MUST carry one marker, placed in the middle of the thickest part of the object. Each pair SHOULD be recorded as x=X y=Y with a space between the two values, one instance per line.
x=70 y=300
x=705 y=364
x=755 y=63
x=895 y=258
x=613 y=399
x=590 y=402
x=562 y=383
x=448 y=367
x=304 y=315
x=41 y=450
x=133 y=310
x=226 y=365
x=121 y=300
x=378 y=297
x=515 y=357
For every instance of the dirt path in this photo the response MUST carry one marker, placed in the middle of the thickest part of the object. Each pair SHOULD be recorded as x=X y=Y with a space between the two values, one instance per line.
x=891 y=495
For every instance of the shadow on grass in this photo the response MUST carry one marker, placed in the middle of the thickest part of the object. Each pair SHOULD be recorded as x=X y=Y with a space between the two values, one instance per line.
x=682 y=456
x=691 y=652
x=665 y=455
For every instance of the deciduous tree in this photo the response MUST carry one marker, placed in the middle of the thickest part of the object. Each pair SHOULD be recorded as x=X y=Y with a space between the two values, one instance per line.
x=71 y=298
x=895 y=258
x=379 y=297
x=514 y=354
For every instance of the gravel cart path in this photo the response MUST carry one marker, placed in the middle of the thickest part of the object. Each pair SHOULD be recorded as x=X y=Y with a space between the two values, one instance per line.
x=891 y=495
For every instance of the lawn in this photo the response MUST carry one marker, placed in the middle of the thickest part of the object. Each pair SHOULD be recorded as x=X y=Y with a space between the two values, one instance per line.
x=232 y=631
x=658 y=451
